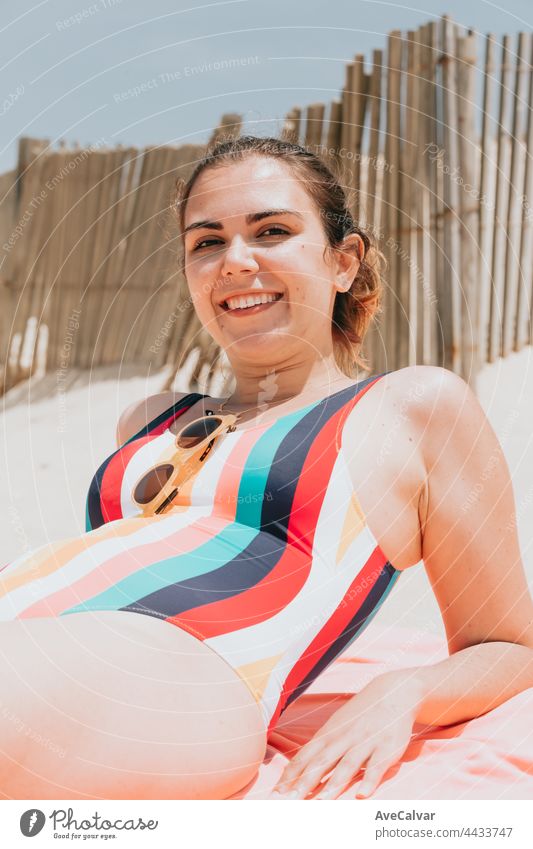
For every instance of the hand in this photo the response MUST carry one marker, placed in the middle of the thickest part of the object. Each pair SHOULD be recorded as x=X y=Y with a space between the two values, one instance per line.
x=373 y=728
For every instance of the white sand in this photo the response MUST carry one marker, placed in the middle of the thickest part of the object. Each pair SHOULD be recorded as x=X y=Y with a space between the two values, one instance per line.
x=53 y=443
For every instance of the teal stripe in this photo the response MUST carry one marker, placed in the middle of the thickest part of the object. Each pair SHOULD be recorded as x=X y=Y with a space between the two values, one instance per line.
x=258 y=465
x=88 y=526
x=206 y=558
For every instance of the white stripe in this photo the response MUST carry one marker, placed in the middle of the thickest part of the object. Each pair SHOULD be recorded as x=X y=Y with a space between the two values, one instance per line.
x=90 y=558
x=205 y=483
x=318 y=598
x=328 y=530
x=326 y=539
x=207 y=480
x=325 y=606
x=145 y=457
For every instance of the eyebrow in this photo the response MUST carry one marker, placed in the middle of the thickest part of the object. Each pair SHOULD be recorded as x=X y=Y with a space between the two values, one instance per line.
x=252 y=218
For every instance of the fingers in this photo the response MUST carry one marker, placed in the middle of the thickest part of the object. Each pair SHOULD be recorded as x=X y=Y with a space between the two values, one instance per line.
x=305 y=770
x=378 y=762
x=376 y=768
x=298 y=763
x=341 y=776
x=300 y=778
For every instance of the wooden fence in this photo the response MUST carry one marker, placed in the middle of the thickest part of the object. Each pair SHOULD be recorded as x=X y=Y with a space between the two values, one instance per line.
x=434 y=139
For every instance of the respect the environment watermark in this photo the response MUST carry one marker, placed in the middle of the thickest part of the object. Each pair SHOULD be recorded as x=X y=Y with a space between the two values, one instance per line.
x=186 y=72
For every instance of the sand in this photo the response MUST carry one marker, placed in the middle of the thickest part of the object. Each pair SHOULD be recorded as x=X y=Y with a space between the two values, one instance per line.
x=55 y=435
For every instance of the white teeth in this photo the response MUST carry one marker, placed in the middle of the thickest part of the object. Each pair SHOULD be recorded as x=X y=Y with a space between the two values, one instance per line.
x=244 y=301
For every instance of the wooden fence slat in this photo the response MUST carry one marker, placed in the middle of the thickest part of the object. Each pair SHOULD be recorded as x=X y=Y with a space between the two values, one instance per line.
x=391 y=205
x=405 y=238
x=347 y=126
x=373 y=343
x=487 y=189
x=515 y=202
x=450 y=285
x=333 y=135
x=372 y=209
x=290 y=131
x=422 y=65
x=524 y=309
x=434 y=157
x=314 y=123
x=468 y=158
x=501 y=201
x=358 y=111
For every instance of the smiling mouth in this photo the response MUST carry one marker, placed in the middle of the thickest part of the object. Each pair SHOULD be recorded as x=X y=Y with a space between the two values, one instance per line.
x=249 y=310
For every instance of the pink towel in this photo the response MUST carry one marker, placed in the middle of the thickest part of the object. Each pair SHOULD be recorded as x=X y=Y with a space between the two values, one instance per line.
x=490 y=757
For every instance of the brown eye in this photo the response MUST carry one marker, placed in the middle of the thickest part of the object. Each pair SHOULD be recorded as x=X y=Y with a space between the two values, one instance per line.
x=203 y=242
x=280 y=231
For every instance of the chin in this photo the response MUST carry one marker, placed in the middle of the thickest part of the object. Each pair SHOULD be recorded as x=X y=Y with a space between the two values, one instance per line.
x=259 y=346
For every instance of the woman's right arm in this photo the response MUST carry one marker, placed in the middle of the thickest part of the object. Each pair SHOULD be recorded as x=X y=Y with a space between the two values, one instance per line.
x=138 y=414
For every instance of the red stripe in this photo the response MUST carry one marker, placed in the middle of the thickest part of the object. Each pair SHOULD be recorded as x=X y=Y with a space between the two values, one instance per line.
x=111 y=485
x=333 y=628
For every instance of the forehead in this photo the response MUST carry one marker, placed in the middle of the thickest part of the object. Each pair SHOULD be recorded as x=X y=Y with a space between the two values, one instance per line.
x=254 y=184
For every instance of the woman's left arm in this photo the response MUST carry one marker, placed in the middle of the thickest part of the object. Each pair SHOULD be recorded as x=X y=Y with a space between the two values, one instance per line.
x=471 y=553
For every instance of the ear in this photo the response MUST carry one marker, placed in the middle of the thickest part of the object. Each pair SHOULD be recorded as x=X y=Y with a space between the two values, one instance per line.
x=347 y=258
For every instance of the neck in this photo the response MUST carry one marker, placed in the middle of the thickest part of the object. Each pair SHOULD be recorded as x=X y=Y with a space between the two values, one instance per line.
x=274 y=385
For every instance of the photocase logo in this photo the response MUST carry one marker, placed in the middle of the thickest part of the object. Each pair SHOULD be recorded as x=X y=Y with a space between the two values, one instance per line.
x=32 y=822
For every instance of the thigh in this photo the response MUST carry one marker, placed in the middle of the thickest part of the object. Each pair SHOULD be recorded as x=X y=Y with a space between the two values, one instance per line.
x=113 y=704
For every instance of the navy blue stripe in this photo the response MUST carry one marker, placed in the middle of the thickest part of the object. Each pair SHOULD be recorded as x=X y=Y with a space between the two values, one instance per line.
x=290 y=457
x=245 y=570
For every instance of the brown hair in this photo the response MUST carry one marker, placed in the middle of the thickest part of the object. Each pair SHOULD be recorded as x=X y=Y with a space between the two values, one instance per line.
x=352 y=310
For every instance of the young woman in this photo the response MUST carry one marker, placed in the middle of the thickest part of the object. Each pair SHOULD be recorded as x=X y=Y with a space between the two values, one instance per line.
x=252 y=547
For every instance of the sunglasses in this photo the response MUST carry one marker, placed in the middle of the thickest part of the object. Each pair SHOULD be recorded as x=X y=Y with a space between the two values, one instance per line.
x=157 y=488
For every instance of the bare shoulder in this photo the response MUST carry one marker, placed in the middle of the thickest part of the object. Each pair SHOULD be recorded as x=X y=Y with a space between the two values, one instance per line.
x=425 y=380
x=432 y=396
x=140 y=412
x=440 y=403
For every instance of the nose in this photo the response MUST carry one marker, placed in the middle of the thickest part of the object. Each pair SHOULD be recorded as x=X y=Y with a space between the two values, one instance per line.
x=238 y=258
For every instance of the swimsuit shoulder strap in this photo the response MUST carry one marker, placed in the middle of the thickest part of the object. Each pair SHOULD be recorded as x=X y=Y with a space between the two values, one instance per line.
x=179 y=406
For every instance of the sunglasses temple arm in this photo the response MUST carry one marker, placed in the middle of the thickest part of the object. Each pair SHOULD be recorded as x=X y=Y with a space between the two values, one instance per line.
x=167 y=501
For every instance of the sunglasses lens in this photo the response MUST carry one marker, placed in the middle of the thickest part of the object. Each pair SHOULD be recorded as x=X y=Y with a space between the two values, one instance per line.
x=152 y=483
x=195 y=433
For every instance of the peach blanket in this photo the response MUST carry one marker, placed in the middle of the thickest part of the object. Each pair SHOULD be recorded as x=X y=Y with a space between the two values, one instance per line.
x=490 y=757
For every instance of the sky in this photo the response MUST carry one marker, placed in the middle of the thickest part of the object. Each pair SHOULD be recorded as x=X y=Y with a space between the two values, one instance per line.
x=163 y=72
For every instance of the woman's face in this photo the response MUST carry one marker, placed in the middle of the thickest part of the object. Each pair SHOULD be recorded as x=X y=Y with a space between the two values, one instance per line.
x=238 y=252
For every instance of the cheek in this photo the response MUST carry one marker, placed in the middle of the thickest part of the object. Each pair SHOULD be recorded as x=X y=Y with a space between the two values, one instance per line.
x=199 y=296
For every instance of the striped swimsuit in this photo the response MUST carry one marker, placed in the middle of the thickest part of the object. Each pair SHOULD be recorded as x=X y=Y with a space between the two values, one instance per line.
x=265 y=555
